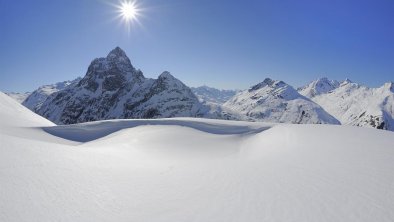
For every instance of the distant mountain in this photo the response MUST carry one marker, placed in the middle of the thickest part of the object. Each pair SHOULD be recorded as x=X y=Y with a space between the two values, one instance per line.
x=19 y=97
x=37 y=97
x=212 y=95
x=276 y=101
x=112 y=88
x=358 y=105
x=317 y=87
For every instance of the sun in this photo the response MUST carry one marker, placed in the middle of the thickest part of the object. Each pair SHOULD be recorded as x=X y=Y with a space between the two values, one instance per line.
x=128 y=10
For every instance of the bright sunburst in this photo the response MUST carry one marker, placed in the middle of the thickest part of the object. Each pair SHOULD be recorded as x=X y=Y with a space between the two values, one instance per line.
x=129 y=12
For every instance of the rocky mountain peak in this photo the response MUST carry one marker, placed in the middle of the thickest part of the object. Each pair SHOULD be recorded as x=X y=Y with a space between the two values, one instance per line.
x=166 y=75
x=116 y=53
x=346 y=81
x=113 y=88
x=389 y=86
x=267 y=81
x=317 y=87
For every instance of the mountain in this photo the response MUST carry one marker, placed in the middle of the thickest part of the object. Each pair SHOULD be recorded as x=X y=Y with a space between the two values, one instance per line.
x=112 y=88
x=212 y=95
x=190 y=169
x=317 y=87
x=19 y=97
x=276 y=101
x=35 y=99
x=357 y=105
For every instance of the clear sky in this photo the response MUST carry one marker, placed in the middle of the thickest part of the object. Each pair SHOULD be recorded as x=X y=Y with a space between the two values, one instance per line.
x=220 y=43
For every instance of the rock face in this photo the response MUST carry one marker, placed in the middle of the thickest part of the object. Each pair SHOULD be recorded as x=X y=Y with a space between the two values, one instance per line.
x=212 y=95
x=113 y=88
x=276 y=101
x=35 y=99
x=358 y=105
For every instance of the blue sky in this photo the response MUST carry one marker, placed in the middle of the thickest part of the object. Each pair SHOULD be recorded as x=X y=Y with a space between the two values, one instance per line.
x=220 y=43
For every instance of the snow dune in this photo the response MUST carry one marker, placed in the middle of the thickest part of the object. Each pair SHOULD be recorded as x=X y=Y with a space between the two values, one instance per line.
x=86 y=132
x=188 y=169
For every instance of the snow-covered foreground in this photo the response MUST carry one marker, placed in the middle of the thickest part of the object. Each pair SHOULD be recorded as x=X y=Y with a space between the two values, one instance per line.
x=188 y=169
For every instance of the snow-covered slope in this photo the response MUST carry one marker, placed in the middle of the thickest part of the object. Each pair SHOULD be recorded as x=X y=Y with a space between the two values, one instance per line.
x=35 y=99
x=317 y=87
x=191 y=170
x=13 y=113
x=19 y=97
x=113 y=88
x=276 y=101
x=358 y=105
x=212 y=95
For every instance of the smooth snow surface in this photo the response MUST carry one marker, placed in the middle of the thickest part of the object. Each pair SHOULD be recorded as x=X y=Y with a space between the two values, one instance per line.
x=188 y=169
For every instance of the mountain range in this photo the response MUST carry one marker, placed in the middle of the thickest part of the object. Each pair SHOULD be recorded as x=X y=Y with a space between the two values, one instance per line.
x=113 y=88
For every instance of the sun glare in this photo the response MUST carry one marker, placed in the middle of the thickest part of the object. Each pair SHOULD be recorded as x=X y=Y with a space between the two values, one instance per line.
x=128 y=10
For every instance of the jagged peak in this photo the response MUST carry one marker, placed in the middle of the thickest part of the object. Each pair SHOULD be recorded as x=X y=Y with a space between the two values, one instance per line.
x=119 y=56
x=325 y=80
x=116 y=52
x=389 y=85
x=346 y=81
x=166 y=75
x=267 y=81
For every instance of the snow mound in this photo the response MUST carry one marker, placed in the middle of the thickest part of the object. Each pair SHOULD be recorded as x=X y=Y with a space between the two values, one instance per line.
x=86 y=132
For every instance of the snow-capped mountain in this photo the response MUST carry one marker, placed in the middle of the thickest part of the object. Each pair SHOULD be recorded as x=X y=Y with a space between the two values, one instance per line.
x=276 y=101
x=358 y=105
x=19 y=97
x=213 y=95
x=37 y=97
x=112 y=88
x=317 y=87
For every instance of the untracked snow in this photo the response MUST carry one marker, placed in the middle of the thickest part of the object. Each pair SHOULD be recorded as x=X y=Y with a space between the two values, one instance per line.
x=188 y=169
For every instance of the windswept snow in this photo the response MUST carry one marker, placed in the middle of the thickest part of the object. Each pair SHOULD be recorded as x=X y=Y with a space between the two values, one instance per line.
x=188 y=169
